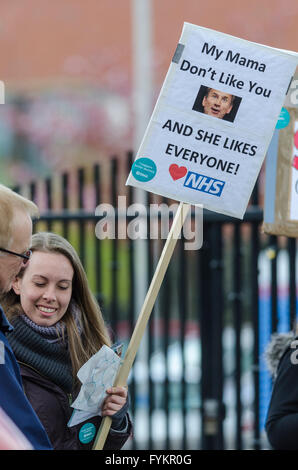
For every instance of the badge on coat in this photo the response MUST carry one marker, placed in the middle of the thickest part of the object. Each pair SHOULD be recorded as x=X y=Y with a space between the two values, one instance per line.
x=87 y=433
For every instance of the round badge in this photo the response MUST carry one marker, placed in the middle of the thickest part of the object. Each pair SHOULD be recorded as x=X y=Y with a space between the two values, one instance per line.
x=87 y=433
x=284 y=119
x=144 y=169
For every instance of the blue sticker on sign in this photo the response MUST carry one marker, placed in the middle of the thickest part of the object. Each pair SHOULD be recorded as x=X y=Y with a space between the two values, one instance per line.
x=144 y=169
x=283 y=119
x=87 y=433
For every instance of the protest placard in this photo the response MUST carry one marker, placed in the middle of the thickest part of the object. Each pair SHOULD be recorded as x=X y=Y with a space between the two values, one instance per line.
x=293 y=203
x=213 y=120
x=206 y=139
x=281 y=184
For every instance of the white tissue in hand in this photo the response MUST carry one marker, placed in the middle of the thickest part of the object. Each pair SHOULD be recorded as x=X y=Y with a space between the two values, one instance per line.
x=96 y=375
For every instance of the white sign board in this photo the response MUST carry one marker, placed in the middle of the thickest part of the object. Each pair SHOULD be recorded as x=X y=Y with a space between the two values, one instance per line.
x=213 y=121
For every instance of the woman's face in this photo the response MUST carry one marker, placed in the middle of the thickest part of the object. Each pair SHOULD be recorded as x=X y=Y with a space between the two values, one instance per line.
x=46 y=287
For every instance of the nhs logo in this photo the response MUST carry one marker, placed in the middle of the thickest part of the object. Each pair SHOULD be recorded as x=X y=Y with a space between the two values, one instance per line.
x=204 y=183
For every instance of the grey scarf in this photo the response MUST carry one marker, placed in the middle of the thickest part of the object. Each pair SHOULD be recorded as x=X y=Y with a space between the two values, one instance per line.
x=33 y=347
x=53 y=334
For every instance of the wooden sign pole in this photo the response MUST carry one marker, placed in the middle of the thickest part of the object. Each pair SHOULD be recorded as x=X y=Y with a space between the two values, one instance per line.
x=144 y=316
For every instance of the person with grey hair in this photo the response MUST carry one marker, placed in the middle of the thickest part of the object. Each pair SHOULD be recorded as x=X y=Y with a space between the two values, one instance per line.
x=16 y=213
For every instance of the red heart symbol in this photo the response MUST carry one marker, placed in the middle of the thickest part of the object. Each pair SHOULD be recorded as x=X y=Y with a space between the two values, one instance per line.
x=177 y=172
x=295 y=162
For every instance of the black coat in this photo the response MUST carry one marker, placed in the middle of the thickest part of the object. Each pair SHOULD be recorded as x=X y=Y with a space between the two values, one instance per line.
x=282 y=417
x=12 y=399
x=52 y=405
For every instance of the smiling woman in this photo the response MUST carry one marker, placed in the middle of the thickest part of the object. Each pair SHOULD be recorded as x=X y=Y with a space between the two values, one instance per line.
x=44 y=291
x=58 y=326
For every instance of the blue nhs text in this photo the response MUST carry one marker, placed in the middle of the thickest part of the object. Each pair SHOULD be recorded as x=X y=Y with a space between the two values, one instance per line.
x=204 y=183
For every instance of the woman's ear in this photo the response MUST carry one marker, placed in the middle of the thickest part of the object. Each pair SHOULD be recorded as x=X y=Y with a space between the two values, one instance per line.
x=16 y=286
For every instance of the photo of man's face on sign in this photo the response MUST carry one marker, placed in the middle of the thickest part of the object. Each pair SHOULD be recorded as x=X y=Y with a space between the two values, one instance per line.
x=217 y=103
